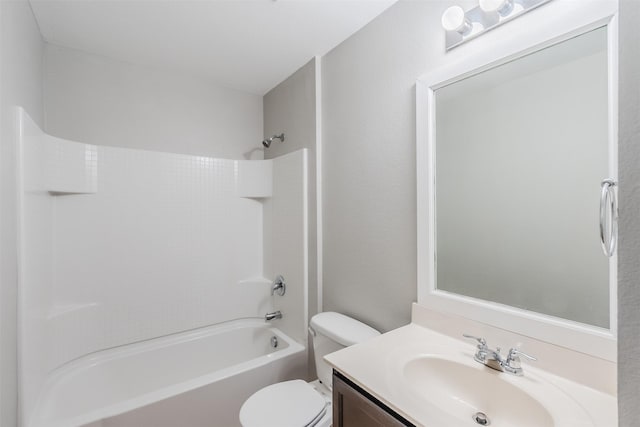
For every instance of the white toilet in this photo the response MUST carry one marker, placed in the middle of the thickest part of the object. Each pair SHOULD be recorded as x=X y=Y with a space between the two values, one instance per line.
x=298 y=403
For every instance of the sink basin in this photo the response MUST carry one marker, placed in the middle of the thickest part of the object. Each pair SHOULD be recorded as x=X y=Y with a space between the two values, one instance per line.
x=432 y=380
x=462 y=390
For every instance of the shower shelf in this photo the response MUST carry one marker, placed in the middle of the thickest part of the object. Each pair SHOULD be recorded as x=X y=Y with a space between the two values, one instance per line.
x=55 y=165
x=255 y=178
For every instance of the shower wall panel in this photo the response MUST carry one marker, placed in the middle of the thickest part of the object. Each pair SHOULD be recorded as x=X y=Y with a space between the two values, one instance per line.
x=120 y=245
x=286 y=240
x=160 y=248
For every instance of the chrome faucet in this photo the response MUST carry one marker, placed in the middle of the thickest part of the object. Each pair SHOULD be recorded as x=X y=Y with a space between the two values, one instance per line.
x=494 y=360
x=274 y=315
x=278 y=286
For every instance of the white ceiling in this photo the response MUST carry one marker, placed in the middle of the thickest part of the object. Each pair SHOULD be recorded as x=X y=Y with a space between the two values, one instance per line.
x=251 y=45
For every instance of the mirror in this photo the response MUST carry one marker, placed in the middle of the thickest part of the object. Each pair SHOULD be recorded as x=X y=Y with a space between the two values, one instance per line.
x=514 y=142
x=519 y=154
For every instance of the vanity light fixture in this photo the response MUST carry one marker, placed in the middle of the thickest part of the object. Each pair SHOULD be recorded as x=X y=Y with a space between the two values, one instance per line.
x=461 y=26
x=501 y=7
x=454 y=19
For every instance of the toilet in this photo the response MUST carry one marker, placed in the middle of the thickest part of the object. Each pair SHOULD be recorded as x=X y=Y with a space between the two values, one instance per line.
x=298 y=403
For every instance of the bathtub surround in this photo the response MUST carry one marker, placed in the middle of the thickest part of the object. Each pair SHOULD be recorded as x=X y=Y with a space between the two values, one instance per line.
x=286 y=240
x=119 y=246
x=103 y=101
x=21 y=49
x=629 y=269
x=292 y=106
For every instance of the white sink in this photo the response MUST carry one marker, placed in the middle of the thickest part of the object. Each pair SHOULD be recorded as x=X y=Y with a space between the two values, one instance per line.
x=432 y=380
x=464 y=389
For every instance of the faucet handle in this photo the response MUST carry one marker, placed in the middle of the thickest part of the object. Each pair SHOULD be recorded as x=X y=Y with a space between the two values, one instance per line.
x=512 y=364
x=514 y=353
x=278 y=286
x=481 y=341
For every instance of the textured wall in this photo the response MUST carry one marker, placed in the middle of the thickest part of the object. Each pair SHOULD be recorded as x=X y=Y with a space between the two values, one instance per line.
x=20 y=84
x=629 y=248
x=98 y=100
x=368 y=133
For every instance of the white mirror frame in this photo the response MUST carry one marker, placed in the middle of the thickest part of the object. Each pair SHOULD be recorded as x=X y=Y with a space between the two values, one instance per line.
x=585 y=338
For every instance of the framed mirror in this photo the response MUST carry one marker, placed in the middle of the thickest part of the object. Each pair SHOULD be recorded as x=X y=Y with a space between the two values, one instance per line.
x=517 y=172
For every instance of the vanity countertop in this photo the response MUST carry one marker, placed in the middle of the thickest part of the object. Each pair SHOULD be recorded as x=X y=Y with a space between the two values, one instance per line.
x=378 y=365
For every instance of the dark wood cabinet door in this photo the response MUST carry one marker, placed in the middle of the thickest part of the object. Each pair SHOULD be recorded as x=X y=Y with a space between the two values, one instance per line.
x=353 y=407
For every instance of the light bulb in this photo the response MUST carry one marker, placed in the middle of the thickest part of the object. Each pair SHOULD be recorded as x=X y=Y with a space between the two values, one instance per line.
x=454 y=19
x=502 y=7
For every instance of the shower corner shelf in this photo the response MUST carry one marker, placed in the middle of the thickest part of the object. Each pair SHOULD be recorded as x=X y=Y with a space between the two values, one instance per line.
x=255 y=179
x=72 y=167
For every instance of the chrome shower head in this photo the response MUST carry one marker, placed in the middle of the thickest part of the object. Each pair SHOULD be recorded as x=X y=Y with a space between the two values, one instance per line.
x=267 y=142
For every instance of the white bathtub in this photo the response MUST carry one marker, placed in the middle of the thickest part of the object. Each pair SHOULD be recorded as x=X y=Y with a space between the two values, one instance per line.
x=192 y=379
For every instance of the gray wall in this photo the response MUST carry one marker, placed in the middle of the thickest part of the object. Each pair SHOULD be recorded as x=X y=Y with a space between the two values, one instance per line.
x=20 y=84
x=98 y=100
x=369 y=173
x=629 y=249
x=290 y=107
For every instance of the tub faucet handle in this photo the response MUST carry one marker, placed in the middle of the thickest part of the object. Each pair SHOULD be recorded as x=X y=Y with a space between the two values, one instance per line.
x=278 y=286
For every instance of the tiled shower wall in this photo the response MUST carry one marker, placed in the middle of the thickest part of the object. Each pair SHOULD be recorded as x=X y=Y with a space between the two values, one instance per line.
x=122 y=245
x=160 y=248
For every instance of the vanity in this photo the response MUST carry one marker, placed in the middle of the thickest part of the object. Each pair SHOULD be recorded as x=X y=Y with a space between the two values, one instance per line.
x=424 y=374
x=353 y=406
x=516 y=237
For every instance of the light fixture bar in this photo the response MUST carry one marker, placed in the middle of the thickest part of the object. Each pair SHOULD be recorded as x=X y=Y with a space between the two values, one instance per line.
x=488 y=15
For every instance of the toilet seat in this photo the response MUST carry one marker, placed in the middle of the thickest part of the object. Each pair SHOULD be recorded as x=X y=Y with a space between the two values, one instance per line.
x=286 y=404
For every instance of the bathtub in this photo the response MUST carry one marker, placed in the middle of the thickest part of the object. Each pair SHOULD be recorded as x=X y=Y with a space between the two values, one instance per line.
x=191 y=379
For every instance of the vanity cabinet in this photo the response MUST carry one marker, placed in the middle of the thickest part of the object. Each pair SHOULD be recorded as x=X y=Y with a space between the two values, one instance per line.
x=354 y=407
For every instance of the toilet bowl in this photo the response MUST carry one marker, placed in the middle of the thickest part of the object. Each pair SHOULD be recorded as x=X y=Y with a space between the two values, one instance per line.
x=297 y=403
x=287 y=404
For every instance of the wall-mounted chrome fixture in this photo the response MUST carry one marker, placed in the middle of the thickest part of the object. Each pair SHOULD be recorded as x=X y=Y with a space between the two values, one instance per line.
x=278 y=286
x=267 y=142
x=461 y=26
x=272 y=316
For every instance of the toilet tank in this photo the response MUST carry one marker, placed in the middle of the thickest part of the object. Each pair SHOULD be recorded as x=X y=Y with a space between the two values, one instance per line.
x=332 y=332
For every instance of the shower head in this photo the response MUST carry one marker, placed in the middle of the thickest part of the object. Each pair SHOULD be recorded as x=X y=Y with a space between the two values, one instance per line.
x=267 y=142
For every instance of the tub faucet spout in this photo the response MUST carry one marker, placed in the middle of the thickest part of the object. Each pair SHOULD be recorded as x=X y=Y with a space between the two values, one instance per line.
x=274 y=315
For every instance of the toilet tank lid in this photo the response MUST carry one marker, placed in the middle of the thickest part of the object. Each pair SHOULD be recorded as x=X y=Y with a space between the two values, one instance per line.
x=342 y=329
